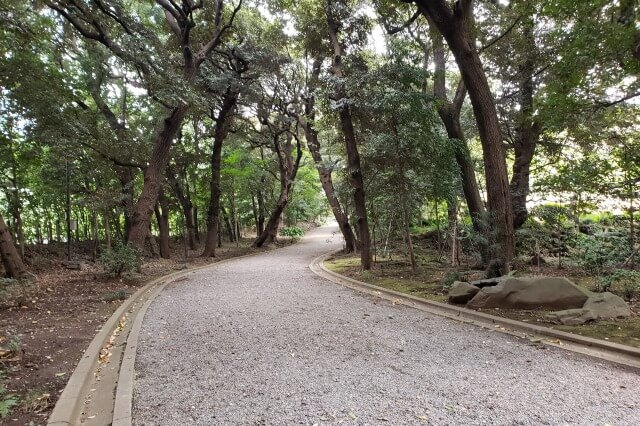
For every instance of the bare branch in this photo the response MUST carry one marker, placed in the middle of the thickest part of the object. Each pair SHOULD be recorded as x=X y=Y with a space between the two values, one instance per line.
x=395 y=30
x=618 y=101
x=216 y=39
x=502 y=35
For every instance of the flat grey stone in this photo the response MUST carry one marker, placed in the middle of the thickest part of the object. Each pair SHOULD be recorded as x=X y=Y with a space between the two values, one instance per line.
x=572 y=316
x=533 y=292
x=461 y=292
x=607 y=306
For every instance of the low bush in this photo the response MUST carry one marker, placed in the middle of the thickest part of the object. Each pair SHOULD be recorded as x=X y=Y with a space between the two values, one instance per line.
x=292 y=231
x=119 y=259
x=624 y=282
x=448 y=280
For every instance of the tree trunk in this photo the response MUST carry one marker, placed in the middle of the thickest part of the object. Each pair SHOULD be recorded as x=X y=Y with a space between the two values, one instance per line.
x=186 y=205
x=527 y=131
x=260 y=200
x=288 y=170
x=153 y=176
x=449 y=112
x=223 y=121
x=452 y=24
x=162 y=217
x=196 y=224
x=351 y=146
x=313 y=143
x=107 y=230
x=227 y=224
x=11 y=260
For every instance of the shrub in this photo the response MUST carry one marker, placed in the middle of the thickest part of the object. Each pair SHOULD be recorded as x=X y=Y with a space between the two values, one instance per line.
x=292 y=231
x=7 y=402
x=602 y=252
x=623 y=282
x=120 y=259
x=448 y=280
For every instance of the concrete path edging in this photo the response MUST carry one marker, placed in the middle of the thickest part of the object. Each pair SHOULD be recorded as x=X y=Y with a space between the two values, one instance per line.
x=68 y=409
x=622 y=355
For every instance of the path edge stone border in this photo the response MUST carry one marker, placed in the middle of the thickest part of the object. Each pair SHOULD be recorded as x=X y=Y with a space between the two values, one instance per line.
x=625 y=356
x=69 y=406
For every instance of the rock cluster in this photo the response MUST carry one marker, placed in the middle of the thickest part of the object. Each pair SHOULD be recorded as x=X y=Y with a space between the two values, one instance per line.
x=576 y=305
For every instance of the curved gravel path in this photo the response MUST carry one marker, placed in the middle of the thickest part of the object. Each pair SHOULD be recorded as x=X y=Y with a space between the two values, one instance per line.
x=264 y=341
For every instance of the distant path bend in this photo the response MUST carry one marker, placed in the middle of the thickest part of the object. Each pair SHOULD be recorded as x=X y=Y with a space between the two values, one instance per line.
x=264 y=341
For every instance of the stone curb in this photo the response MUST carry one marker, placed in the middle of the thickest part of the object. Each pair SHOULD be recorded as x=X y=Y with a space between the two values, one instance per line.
x=123 y=401
x=623 y=355
x=68 y=409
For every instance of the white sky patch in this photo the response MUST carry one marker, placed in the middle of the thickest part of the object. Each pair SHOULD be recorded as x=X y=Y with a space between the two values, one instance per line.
x=377 y=41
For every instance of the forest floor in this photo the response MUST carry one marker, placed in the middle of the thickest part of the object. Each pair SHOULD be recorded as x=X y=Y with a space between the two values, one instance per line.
x=394 y=272
x=46 y=325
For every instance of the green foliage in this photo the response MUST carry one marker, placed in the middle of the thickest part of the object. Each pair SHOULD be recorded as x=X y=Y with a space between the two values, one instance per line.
x=623 y=282
x=448 y=280
x=7 y=402
x=120 y=259
x=292 y=231
x=600 y=253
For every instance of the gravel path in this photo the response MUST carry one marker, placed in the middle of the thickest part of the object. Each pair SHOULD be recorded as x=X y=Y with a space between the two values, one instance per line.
x=264 y=341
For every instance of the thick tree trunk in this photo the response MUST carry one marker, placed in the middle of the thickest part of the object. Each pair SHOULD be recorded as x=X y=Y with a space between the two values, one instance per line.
x=453 y=25
x=270 y=232
x=153 y=176
x=311 y=135
x=186 y=205
x=449 y=112
x=351 y=146
x=11 y=259
x=223 y=121
x=288 y=171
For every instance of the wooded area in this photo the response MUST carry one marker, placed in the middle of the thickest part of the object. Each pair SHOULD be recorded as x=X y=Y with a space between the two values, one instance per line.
x=144 y=121
x=128 y=121
x=503 y=132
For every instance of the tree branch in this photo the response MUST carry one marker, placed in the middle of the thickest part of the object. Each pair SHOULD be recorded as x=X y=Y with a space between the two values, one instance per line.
x=395 y=30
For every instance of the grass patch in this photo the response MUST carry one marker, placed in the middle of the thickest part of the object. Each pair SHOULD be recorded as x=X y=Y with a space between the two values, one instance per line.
x=393 y=275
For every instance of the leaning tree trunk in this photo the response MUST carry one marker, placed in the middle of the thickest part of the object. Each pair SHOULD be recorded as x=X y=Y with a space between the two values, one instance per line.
x=311 y=135
x=453 y=25
x=11 y=260
x=449 y=112
x=353 y=156
x=153 y=176
x=288 y=171
x=223 y=121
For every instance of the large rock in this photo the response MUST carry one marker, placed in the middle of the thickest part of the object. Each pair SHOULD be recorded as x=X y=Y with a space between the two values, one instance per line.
x=534 y=292
x=571 y=316
x=607 y=305
x=462 y=292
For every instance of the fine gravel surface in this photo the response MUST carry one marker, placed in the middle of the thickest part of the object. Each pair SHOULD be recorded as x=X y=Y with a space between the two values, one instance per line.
x=264 y=341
